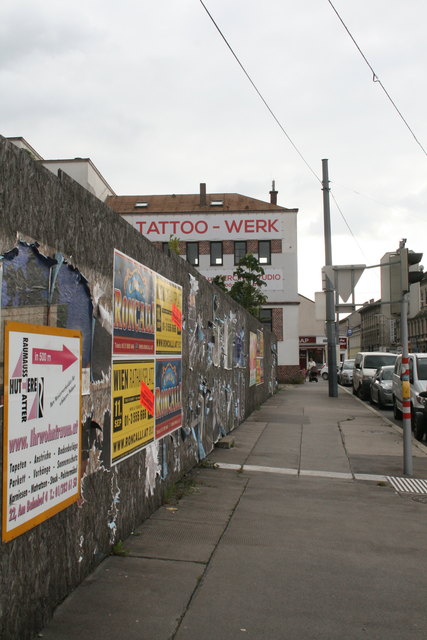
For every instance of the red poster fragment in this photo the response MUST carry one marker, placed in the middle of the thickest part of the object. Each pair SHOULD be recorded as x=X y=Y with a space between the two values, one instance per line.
x=176 y=316
x=147 y=398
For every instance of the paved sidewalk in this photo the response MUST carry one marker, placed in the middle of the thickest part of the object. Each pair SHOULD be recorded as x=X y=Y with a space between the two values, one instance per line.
x=301 y=531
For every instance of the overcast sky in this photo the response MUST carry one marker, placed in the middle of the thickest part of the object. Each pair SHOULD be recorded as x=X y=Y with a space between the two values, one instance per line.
x=151 y=93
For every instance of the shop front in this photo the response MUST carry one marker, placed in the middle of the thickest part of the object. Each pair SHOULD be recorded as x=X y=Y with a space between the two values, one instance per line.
x=316 y=348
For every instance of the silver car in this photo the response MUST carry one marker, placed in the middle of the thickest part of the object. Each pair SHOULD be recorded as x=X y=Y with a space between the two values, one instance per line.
x=381 y=387
x=345 y=373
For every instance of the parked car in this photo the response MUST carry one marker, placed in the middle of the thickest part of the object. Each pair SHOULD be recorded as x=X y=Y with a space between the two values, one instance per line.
x=421 y=417
x=345 y=373
x=324 y=371
x=417 y=383
x=365 y=365
x=381 y=391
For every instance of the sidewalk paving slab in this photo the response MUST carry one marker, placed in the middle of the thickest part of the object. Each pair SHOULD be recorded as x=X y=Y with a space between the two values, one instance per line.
x=275 y=549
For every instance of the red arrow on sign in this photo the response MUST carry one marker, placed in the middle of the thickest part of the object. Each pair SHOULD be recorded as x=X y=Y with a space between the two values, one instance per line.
x=51 y=356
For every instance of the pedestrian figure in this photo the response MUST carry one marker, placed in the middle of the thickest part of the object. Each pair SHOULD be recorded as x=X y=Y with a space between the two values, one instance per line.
x=310 y=365
x=312 y=376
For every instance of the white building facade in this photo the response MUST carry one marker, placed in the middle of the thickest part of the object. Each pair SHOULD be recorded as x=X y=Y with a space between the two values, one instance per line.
x=82 y=170
x=214 y=232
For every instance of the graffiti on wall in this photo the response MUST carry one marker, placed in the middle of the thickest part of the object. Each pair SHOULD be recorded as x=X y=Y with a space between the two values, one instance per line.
x=252 y=358
x=260 y=358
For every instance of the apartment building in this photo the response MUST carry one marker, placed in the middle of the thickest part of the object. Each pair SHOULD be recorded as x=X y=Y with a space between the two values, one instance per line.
x=214 y=231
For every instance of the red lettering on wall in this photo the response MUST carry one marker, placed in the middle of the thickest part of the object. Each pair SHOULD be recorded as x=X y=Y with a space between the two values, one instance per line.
x=189 y=226
x=153 y=228
x=201 y=226
x=233 y=225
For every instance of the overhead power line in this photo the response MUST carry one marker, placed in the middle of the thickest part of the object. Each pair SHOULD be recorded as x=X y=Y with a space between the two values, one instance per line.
x=375 y=78
x=347 y=225
x=274 y=116
x=259 y=93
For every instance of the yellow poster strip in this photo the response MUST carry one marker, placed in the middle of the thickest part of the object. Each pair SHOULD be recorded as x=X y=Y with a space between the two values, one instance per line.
x=133 y=424
x=168 y=316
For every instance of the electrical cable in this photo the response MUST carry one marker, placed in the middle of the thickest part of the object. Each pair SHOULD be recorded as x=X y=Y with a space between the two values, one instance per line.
x=347 y=225
x=276 y=119
x=375 y=78
x=259 y=93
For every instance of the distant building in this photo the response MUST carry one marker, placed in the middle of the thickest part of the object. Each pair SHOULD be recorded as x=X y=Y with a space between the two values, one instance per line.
x=378 y=332
x=313 y=343
x=351 y=328
x=82 y=170
x=215 y=231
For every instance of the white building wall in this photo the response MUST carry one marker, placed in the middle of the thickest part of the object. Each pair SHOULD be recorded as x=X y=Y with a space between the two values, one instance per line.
x=308 y=324
x=288 y=348
x=83 y=172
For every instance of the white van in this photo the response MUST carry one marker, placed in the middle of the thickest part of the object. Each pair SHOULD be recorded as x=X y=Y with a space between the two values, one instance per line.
x=417 y=382
x=365 y=365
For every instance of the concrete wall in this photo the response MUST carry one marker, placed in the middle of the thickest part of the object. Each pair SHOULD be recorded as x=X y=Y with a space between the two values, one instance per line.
x=57 y=243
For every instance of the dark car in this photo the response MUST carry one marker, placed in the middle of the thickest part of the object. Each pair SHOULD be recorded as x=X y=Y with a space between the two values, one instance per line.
x=420 y=419
x=381 y=391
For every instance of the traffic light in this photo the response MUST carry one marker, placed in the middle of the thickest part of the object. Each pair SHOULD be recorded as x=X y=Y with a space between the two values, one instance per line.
x=409 y=273
x=399 y=270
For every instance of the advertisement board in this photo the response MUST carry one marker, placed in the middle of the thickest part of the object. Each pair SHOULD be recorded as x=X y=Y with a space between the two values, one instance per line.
x=260 y=357
x=168 y=316
x=133 y=407
x=221 y=226
x=42 y=424
x=272 y=278
x=134 y=307
x=252 y=358
x=168 y=396
x=146 y=401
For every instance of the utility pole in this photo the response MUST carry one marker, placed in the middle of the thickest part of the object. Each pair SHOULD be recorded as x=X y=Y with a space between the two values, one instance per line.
x=329 y=291
x=406 y=385
x=406 y=389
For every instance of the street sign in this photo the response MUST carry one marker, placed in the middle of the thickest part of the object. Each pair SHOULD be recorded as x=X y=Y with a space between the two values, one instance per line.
x=344 y=278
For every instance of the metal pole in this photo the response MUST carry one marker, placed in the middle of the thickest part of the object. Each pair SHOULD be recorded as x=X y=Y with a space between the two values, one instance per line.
x=406 y=390
x=330 y=305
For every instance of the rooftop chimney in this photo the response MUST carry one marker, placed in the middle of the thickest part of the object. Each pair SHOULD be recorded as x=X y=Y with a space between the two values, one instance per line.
x=273 y=193
x=203 y=194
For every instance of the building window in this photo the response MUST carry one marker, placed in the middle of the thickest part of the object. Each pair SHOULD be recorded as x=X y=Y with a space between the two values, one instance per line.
x=264 y=252
x=216 y=253
x=266 y=317
x=239 y=251
x=165 y=247
x=193 y=253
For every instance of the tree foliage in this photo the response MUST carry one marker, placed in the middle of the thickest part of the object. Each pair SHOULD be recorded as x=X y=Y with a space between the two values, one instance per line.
x=173 y=244
x=247 y=289
x=220 y=282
